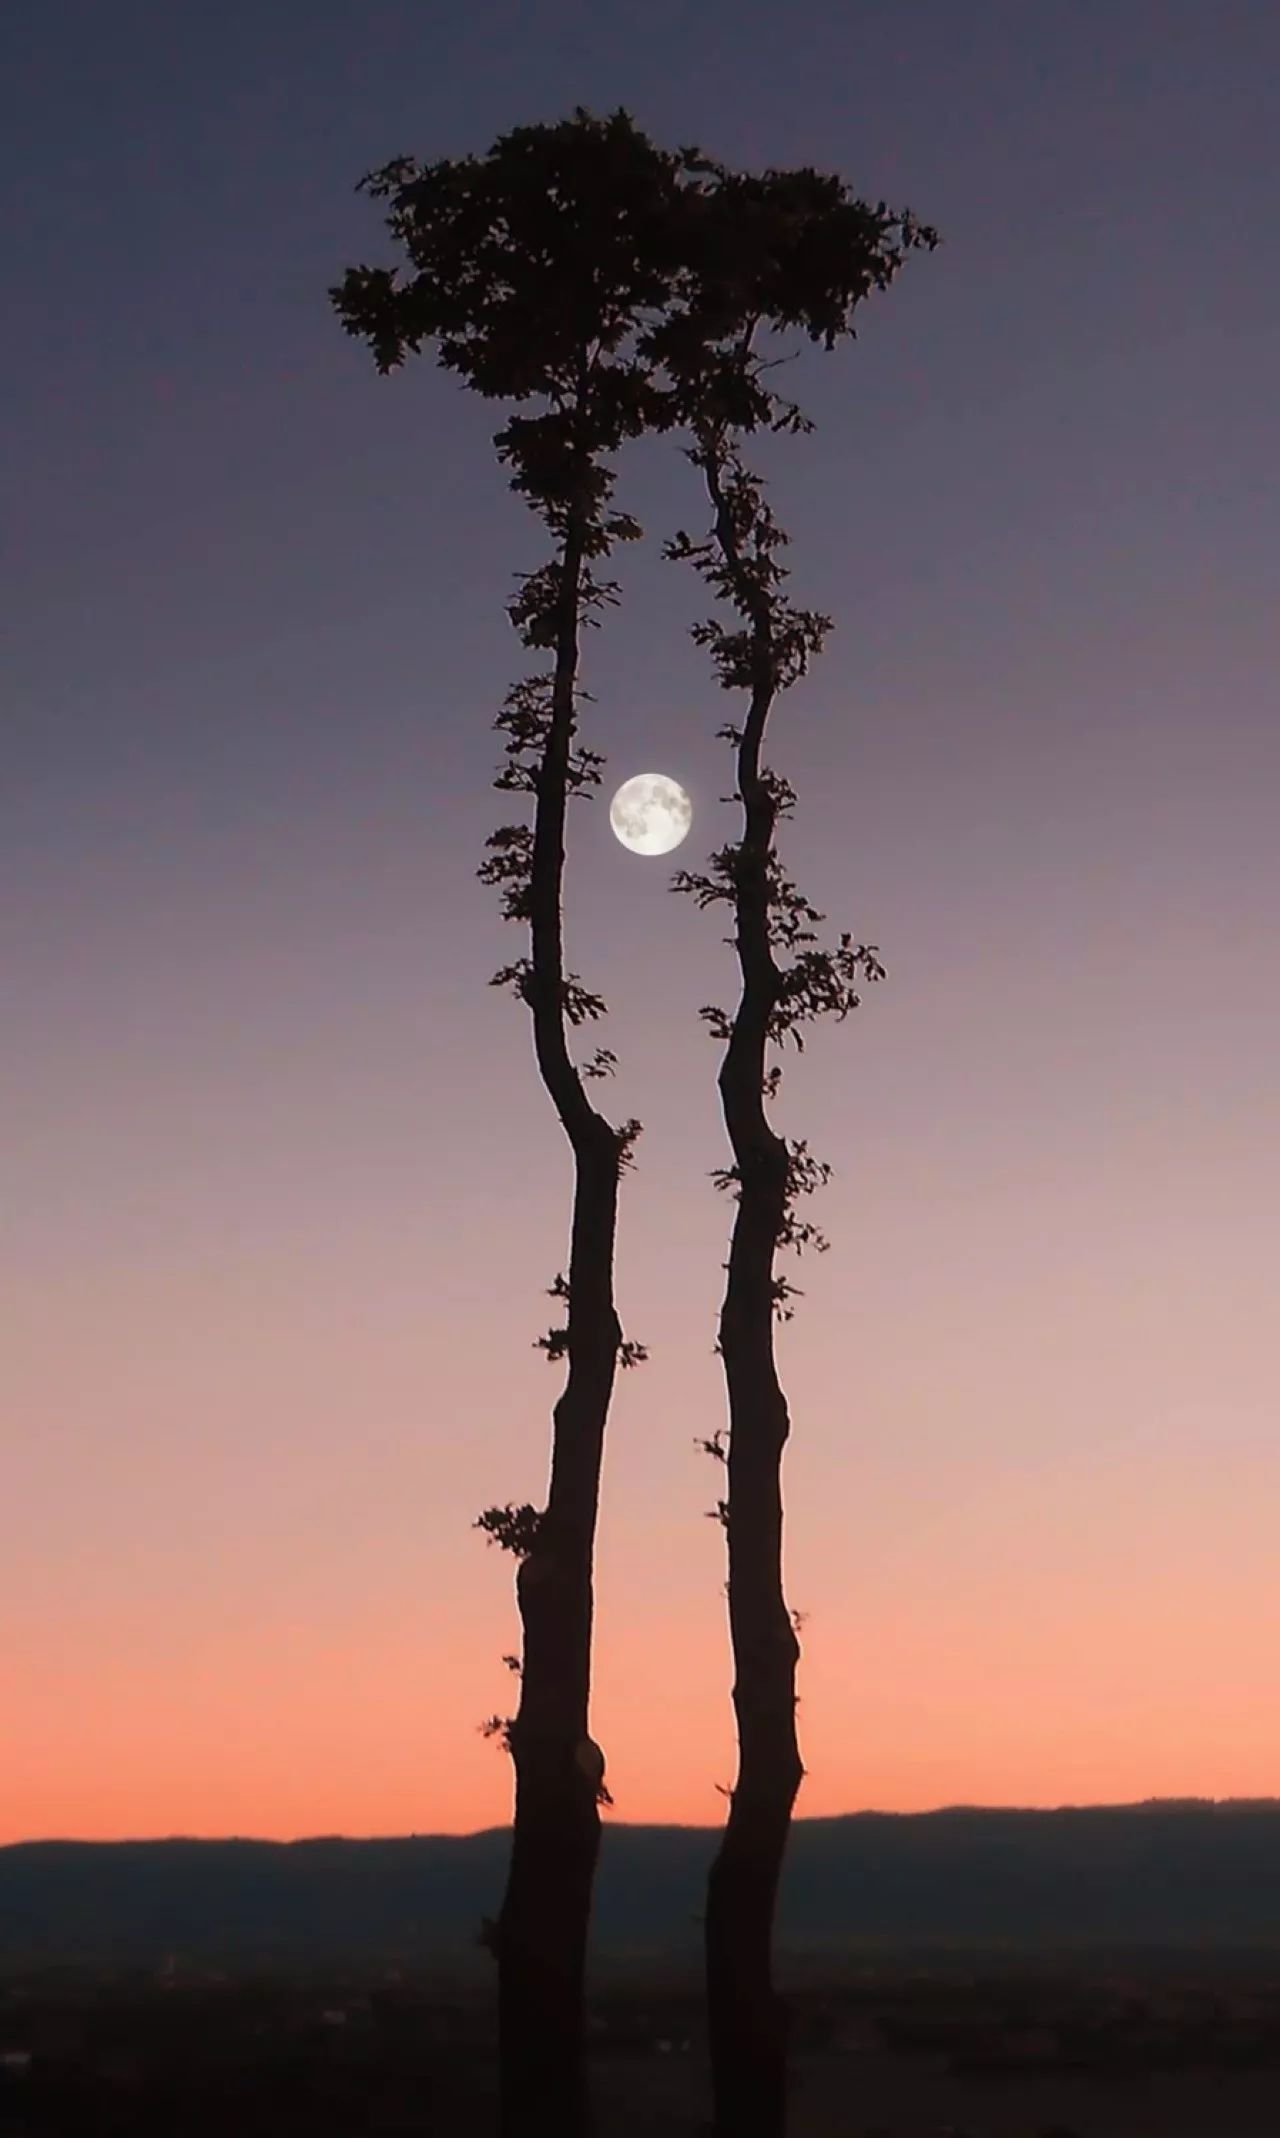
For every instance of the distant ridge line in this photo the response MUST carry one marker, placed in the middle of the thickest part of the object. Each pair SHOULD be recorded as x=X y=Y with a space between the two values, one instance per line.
x=1200 y=1873
x=672 y=1826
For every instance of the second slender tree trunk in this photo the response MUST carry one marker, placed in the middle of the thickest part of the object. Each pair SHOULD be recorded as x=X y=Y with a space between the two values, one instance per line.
x=545 y=1919
x=747 y=2020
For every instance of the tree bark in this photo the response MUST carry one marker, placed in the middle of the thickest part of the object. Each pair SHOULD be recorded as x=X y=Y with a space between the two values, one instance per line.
x=543 y=1927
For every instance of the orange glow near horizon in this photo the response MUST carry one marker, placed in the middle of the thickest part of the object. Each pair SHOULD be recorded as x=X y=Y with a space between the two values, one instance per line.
x=1034 y=1550
x=282 y=1195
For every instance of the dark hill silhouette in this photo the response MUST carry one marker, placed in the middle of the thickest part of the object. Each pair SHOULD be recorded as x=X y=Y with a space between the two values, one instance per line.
x=1190 y=1873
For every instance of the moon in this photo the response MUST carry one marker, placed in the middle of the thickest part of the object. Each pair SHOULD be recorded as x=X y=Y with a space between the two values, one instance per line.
x=651 y=814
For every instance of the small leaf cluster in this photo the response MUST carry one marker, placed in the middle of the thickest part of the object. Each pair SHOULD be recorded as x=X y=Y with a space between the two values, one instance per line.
x=510 y=869
x=556 y=1341
x=822 y=983
x=526 y=719
x=513 y=1529
x=738 y=562
x=782 y=1292
x=578 y=1003
x=499 y=1726
x=805 y=1175
x=538 y=610
x=715 y=1448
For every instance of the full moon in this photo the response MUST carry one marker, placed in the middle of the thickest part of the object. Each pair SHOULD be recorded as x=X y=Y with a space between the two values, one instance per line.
x=651 y=814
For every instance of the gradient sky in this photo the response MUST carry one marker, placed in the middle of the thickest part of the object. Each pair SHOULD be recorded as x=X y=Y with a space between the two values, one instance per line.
x=281 y=1190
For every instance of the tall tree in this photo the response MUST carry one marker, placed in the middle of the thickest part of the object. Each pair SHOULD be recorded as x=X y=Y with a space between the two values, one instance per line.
x=533 y=267
x=783 y=250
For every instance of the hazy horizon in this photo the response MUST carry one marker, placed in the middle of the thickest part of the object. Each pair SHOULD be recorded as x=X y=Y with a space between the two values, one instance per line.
x=283 y=1192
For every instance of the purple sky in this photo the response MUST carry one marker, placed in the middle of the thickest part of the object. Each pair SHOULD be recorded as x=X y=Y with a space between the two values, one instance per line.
x=280 y=1187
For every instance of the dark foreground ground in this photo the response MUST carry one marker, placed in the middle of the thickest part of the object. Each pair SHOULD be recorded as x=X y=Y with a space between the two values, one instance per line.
x=1154 y=2048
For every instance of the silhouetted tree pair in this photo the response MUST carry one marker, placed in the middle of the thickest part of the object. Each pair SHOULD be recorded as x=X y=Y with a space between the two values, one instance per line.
x=622 y=290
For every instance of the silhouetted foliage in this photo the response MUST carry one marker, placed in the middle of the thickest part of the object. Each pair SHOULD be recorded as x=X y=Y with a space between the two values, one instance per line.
x=531 y=272
x=785 y=249
x=620 y=289
x=514 y=1528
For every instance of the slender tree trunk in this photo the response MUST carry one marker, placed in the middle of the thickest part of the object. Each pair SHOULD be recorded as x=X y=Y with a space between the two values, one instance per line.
x=543 y=1926
x=747 y=2021
x=546 y=1911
